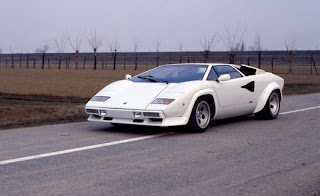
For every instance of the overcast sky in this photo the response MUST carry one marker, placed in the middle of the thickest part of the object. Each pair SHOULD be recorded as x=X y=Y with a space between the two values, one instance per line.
x=27 y=24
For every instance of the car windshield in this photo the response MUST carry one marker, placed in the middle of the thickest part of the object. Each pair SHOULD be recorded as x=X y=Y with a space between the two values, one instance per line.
x=173 y=74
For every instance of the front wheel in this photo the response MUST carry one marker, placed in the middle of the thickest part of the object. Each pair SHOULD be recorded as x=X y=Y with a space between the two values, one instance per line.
x=272 y=107
x=200 y=116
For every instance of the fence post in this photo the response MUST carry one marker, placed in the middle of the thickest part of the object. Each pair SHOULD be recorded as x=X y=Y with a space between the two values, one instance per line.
x=272 y=60
x=314 y=64
x=48 y=62
x=84 y=62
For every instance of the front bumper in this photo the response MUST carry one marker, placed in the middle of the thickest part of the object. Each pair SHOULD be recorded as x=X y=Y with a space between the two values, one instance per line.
x=122 y=116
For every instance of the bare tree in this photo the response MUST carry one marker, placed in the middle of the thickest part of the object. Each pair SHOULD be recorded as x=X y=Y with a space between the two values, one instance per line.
x=20 y=59
x=27 y=60
x=312 y=61
x=0 y=55
x=180 y=52
x=95 y=41
x=34 y=62
x=43 y=49
x=6 y=62
x=60 y=45
x=257 y=46
x=103 y=61
x=76 y=46
x=207 y=43
x=84 y=62
x=291 y=50
x=136 y=48
x=124 y=62
x=158 y=43
x=232 y=40
x=12 y=57
x=114 y=47
x=242 y=48
x=49 y=62
x=188 y=57
x=272 y=63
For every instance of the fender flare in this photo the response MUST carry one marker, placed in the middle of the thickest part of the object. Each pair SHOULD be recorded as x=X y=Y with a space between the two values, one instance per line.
x=265 y=95
x=198 y=94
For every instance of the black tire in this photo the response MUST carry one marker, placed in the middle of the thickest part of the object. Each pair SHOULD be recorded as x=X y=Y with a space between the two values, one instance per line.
x=272 y=107
x=200 y=116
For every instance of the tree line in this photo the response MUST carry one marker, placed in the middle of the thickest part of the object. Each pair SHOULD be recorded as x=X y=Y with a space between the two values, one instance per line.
x=231 y=38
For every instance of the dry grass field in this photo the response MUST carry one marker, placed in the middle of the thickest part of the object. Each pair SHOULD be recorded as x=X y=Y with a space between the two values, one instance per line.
x=70 y=83
x=35 y=96
x=84 y=83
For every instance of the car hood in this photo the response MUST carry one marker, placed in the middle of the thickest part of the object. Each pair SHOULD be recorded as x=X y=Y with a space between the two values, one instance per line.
x=129 y=95
x=125 y=94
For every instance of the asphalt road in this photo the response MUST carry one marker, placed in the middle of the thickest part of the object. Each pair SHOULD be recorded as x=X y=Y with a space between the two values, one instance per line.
x=238 y=156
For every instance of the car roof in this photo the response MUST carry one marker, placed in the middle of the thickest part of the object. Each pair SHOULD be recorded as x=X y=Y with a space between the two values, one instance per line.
x=213 y=64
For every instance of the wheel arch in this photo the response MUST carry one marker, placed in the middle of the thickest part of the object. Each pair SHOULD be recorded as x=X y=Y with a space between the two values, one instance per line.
x=265 y=95
x=208 y=93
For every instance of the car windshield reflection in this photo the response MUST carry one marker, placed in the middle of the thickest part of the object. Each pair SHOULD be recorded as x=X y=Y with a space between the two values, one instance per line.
x=173 y=74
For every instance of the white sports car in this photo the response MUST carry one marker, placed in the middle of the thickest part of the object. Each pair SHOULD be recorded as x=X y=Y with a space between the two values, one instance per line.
x=188 y=94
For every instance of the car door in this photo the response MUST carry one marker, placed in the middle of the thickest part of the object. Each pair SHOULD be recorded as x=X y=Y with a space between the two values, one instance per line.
x=234 y=92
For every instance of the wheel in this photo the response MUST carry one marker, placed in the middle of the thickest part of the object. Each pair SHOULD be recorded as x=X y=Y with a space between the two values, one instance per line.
x=200 y=116
x=272 y=107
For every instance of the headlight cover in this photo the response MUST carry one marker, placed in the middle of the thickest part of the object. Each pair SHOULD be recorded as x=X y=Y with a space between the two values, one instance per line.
x=100 y=98
x=163 y=101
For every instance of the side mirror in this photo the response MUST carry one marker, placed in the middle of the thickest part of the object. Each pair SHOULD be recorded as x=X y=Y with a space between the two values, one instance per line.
x=224 y=77
x=127 y=77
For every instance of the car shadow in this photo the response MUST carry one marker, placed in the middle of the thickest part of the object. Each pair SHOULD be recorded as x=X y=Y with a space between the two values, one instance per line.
x=232 y=120
x=133 y=129
x=147 y=130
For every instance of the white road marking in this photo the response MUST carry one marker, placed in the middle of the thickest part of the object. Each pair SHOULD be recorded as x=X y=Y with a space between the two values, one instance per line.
x=80 y=149
x=112 y=143
x=301 y=110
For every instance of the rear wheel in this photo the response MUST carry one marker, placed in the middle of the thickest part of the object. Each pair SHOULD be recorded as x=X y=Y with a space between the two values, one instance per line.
x=272 y=107
x=200 y=116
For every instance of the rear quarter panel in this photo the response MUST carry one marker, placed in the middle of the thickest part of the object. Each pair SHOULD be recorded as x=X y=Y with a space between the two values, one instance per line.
x=267 y=83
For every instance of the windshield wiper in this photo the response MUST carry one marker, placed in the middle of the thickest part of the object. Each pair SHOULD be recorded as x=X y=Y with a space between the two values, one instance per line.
x=148 y=78
x=152 y=79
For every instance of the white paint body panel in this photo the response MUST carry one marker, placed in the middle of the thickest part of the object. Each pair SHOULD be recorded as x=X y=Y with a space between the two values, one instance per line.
x=230 y=99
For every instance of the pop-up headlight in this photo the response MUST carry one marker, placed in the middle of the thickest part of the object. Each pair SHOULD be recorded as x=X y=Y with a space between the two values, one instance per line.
x=100 y=98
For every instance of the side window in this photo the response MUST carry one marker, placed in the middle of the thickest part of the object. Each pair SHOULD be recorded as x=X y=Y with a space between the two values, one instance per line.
x=212 y=75
x=226 y=69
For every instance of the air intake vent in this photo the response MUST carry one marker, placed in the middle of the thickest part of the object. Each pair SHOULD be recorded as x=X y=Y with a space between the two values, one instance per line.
x=138 y=120
x=151 y=114
x=92 y=111
x=156 y=119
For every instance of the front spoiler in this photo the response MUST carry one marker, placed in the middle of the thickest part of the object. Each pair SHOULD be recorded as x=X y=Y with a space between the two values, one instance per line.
x=120 y=116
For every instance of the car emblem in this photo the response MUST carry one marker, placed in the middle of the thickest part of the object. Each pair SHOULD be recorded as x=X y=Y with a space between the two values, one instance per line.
x=125 y=103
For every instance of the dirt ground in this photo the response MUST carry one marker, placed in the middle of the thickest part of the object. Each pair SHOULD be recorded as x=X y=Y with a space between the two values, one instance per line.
x=19 y=112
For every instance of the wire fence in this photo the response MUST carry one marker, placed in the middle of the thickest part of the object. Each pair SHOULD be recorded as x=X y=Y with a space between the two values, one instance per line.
x=280 y=62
